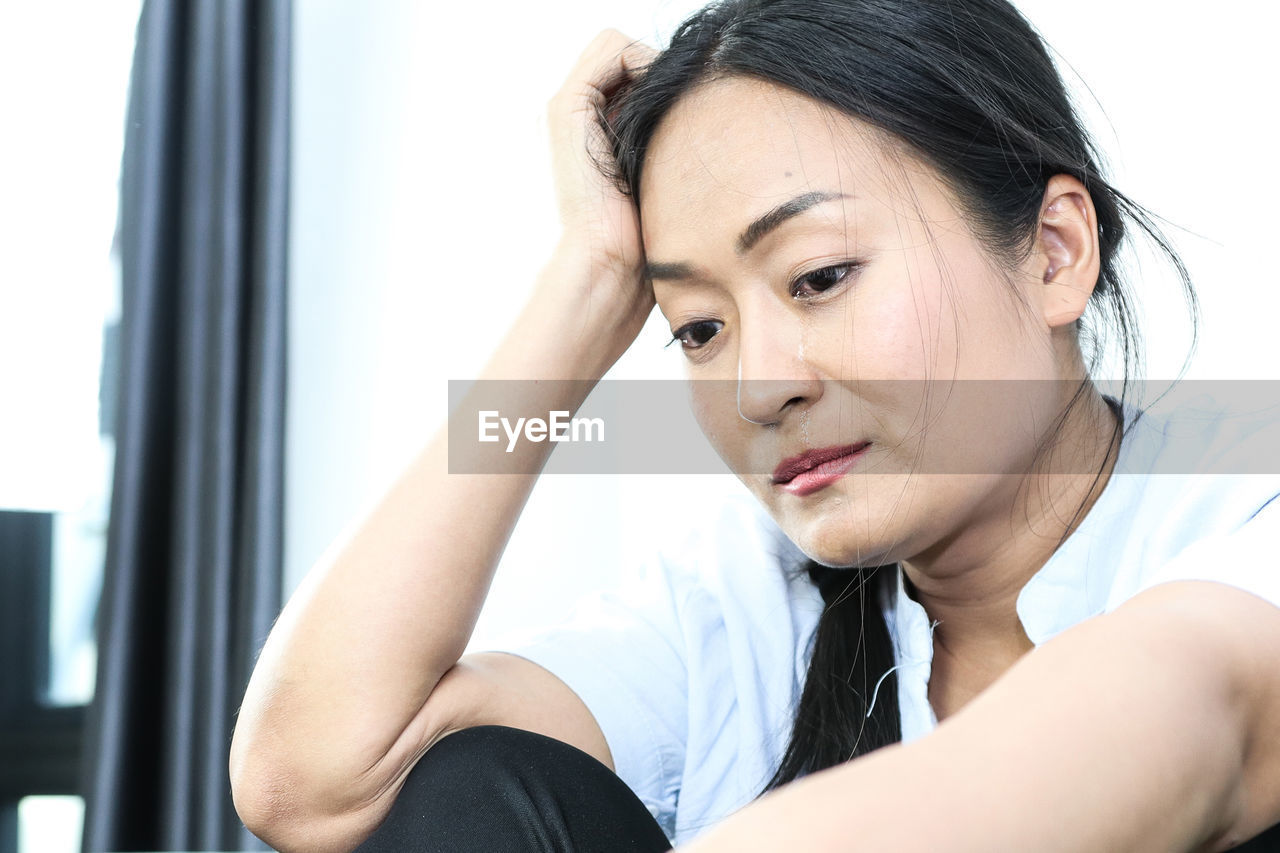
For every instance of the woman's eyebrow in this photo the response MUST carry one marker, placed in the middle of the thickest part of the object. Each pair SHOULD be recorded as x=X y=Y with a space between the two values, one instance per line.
x=754 y=233
x=757 y=230
x=658 y=271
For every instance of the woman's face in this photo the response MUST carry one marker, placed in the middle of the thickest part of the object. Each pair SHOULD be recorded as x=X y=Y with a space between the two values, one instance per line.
x=847 y=321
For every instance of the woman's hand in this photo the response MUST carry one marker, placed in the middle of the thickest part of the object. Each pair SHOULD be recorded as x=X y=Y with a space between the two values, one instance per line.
x=601 y=226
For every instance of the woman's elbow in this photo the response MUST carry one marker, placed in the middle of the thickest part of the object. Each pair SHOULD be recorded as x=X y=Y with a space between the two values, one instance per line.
x=280 y=806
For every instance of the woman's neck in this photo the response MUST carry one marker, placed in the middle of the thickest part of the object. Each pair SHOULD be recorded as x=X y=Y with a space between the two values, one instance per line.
x=969 y=584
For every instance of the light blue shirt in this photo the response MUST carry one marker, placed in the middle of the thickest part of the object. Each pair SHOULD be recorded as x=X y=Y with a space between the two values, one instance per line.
x=694 y=669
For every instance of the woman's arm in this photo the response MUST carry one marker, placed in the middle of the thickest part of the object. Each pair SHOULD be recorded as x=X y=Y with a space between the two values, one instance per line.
x=337 y=710
x=358 y=676
x=1152 y=728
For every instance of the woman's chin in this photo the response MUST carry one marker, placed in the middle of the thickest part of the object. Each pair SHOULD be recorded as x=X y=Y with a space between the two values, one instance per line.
x=851 y=523
x=835 y=540
x=842 y=557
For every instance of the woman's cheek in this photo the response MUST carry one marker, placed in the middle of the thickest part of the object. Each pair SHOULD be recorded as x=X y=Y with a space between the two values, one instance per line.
x=715 y=409
x=889 y=325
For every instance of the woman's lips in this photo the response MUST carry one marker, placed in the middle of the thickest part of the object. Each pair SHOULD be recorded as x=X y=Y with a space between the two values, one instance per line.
x=807 y=473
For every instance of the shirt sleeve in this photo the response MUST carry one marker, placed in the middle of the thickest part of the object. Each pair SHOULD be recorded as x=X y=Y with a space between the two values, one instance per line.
x=1247 y=558
x=623 y=654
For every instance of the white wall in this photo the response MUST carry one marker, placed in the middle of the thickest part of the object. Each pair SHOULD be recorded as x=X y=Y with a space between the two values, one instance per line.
x=1190 y=132
x=422 y=209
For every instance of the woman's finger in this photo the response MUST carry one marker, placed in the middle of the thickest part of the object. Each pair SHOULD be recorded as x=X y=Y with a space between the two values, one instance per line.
x=610 y=60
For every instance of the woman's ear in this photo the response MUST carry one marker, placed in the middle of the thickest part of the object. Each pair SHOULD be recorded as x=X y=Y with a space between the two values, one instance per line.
x=1066 y=259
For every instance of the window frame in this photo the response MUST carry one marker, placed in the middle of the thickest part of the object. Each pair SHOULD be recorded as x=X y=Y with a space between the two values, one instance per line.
x=41 y=746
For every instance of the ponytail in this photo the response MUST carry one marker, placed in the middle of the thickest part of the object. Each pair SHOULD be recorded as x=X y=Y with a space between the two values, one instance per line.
x=852 y=653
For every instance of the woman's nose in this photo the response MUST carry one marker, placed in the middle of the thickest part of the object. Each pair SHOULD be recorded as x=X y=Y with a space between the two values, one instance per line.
x=774 y=375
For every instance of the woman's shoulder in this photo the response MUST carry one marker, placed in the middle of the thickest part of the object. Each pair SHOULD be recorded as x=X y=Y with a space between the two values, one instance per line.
x=1202 y=460
x=1199 y=489
x=1207 y=428
x=1196 y=470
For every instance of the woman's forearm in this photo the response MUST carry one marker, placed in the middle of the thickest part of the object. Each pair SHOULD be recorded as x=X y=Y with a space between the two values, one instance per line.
x=351 y=661
x=1122 y=734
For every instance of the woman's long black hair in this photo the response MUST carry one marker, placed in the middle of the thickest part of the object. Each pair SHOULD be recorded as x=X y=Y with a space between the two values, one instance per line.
x=968 y=86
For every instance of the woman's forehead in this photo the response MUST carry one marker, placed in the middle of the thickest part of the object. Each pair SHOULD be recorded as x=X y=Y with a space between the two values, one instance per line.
x=743 y=133
x=736 y=145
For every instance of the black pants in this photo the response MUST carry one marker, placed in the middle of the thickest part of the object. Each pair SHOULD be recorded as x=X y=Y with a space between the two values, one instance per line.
x=493 y=789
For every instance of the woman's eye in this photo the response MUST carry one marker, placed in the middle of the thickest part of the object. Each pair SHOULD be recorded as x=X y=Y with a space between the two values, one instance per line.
x=822 y=280
x=697 y=334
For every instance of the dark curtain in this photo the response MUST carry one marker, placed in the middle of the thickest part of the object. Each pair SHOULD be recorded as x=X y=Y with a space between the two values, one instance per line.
x=193 y=570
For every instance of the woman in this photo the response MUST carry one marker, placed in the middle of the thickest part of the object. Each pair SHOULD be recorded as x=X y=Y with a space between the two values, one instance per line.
x=875 y=227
